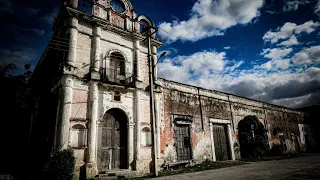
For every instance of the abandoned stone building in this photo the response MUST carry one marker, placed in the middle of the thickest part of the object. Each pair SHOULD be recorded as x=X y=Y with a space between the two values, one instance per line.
x=91 y=94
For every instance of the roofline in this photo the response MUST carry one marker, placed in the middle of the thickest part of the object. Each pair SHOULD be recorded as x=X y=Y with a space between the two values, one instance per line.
x=198 y=87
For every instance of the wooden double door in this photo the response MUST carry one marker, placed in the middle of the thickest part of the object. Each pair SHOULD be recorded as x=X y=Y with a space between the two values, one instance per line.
x=221 y=142
x=113 y=140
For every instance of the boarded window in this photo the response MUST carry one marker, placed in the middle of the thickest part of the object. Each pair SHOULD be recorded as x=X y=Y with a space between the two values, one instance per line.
x=146 y=137
x=78 y=136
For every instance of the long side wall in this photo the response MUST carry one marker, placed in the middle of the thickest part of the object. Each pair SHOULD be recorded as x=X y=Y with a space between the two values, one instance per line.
x=202 y=106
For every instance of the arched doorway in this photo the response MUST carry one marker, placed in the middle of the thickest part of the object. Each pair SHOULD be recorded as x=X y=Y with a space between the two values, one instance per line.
x=113 y=140
x=252 y=137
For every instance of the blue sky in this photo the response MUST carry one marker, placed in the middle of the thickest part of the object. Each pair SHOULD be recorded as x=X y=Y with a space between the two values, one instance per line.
x=266 y=50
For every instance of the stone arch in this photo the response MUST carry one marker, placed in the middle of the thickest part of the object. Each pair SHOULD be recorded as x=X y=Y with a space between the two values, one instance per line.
x=109 y=52
x=122 y=108
x=145 y=18
x=116 y=66
x=142 y=25
x=127 y=4
x=113 y=140
x=253 y=137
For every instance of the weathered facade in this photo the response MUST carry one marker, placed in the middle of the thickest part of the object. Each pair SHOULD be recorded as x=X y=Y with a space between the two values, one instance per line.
x=91 y=94
x=212 y=118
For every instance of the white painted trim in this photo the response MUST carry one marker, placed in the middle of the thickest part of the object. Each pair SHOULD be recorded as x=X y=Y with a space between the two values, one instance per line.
x=219 y=121
x=212 y=143
x=231 y=142
x=229 y=132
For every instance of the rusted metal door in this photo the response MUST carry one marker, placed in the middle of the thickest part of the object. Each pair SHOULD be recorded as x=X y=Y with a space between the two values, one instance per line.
x=183 y=142
x=220 y=142
x=113 y=143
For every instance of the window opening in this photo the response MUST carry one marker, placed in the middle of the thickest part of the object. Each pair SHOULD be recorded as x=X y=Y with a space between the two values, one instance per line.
x=118 y=6
x=146 y=137
x=78 y=136
x=117 y=96
x=143 y=26
x=117 y=67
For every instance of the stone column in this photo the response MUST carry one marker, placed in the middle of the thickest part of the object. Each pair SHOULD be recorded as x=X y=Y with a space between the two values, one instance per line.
x=231 y=142
x=137 y=54
x=155 y=60
x=130 y=143
x=66 y=103
x=97 y=38
x=73 y=35
x=212 y=142
x=92 y=130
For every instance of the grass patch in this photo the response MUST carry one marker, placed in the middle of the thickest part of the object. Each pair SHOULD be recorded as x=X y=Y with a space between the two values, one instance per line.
x=271 y=158
x=206 y=165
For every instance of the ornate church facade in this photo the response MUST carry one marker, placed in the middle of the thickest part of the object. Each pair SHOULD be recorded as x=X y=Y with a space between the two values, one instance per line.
x=91 y=91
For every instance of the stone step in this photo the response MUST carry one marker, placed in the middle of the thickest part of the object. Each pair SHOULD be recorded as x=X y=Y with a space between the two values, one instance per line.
x=116 y=174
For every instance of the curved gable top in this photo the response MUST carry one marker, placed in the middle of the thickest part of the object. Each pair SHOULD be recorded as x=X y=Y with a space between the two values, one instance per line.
x=148 y=20
x=127 y=4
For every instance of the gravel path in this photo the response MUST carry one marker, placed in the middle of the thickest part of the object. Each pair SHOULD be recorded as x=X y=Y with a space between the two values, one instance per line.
x=305 y=167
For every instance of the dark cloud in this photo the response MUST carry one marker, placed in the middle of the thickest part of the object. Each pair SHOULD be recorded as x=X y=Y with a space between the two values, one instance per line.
x=19 y=56
x=294 y=88
x=244 y=89
x=49 y=18
x=6 y=6
x=32 y=11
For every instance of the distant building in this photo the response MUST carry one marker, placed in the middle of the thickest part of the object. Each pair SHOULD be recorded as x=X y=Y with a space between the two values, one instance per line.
x=310 y=130
x=91 y=94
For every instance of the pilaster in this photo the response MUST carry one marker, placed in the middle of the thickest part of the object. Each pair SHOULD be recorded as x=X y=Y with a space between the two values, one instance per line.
x=66 y=103
x=95 y=66
x=137 y=55
x=73 y=36
x=91 y=166
x=93 y=122
x=137 y=150
x=131 y=143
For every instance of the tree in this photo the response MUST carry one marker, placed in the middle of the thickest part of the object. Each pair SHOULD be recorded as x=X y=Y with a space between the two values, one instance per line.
x=14 y=95
x=253 y=138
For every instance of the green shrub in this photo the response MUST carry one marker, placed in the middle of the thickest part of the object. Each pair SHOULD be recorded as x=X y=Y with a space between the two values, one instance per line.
x=61 y=165
x=277 y=150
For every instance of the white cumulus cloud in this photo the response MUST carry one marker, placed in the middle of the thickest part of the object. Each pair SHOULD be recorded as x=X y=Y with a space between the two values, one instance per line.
x=210 y=18
x=290 y=42
x=317 y=8
x=276 y=53
x=289 y=29
x=309 y=55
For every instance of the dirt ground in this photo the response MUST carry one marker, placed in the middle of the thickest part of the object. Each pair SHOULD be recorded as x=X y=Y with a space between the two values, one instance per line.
x=305 y=167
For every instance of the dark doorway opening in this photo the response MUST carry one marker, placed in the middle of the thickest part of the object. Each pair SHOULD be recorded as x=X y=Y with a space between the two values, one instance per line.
x=253 y=138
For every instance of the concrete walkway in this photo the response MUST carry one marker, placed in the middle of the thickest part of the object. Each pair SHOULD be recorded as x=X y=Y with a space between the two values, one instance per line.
x=305 y=167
